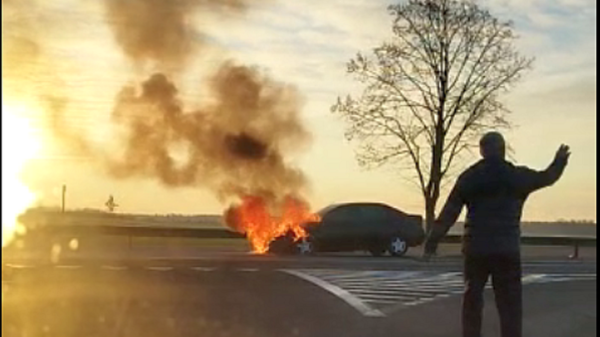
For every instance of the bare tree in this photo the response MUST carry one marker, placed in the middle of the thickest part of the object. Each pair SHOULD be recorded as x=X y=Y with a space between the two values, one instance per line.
x=431 y=90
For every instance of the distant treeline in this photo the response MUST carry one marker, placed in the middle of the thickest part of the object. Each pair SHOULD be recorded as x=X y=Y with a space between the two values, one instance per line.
x=50 y=216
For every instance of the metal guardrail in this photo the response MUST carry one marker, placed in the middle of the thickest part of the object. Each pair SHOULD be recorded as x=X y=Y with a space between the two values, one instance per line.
x=221 y=233
x=544 y=240
x=550 y=240
x=141 y=231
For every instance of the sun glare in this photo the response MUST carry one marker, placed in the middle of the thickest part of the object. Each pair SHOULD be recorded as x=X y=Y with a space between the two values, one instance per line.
x=19 y=145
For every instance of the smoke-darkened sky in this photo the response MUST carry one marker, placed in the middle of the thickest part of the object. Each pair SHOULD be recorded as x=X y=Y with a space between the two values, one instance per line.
x=304 y=45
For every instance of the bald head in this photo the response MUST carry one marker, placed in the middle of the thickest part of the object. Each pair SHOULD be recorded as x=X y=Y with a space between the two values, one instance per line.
x=492 y=145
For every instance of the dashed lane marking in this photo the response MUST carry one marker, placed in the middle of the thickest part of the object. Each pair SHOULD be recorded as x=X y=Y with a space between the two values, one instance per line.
x=115 y=268
x=18 y=266
x=160 y=268
x=67 y=266
x=205 y=269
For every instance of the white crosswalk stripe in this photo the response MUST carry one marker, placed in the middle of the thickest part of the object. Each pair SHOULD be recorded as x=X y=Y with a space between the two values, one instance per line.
x=380 y=291
x=525 y=263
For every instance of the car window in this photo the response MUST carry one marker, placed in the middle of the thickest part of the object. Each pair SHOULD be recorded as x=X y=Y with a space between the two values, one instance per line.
x=376 y=213
x=344 y=214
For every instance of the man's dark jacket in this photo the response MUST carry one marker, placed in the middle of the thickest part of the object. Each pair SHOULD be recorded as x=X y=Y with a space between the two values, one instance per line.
x=494 y=191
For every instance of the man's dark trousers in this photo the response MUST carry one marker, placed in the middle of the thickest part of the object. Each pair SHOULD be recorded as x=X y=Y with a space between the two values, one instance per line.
x=505 y=271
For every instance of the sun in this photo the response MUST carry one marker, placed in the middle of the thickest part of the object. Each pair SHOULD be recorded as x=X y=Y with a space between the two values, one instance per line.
x=19 y=145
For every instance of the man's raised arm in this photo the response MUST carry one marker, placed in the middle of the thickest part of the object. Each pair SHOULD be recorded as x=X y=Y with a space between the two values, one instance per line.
x=531 y=180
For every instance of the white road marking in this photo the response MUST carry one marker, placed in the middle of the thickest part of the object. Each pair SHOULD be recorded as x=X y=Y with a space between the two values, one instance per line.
x=380 y=290
x=247 y=269
x=18 y=266
x=532 y=278
x=423 y=284
x=116 y=268
x=202 y=268
x=524 y=264
x=159 y=268
x=552 y=262
x=354 y=301
x=374 y=296
x=67 y=266
x=395 y=291
x=581 y=275
x=381 y=301
x=565 y=277
x=417 y=302
x=356 y=276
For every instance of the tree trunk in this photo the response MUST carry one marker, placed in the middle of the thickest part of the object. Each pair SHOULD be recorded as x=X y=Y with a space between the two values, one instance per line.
x=429 y=213
x=432 y=192
x=433 y=196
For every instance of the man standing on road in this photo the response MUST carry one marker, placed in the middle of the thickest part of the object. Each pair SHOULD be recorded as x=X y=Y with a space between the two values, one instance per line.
x=494 y=191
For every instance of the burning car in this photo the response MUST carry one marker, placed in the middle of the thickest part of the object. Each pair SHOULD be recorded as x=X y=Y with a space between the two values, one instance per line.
x=373 y=227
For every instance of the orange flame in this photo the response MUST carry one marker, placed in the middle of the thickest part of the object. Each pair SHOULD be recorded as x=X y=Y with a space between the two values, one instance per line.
x=253 y=218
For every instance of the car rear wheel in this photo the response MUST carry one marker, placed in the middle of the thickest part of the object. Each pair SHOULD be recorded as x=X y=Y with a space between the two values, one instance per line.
x=398 y=246
x=305 y=246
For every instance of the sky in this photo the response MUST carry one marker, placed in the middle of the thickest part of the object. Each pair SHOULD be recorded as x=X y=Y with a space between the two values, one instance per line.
x=307 y=44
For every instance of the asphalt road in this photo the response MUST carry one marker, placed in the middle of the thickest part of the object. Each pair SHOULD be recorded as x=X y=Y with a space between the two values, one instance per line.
x=237 y=294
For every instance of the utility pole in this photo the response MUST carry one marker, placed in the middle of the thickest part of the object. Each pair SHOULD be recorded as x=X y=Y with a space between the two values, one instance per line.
x=64 y=192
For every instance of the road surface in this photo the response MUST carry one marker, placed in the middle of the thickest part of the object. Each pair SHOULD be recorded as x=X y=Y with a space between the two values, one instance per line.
x=238 y=294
